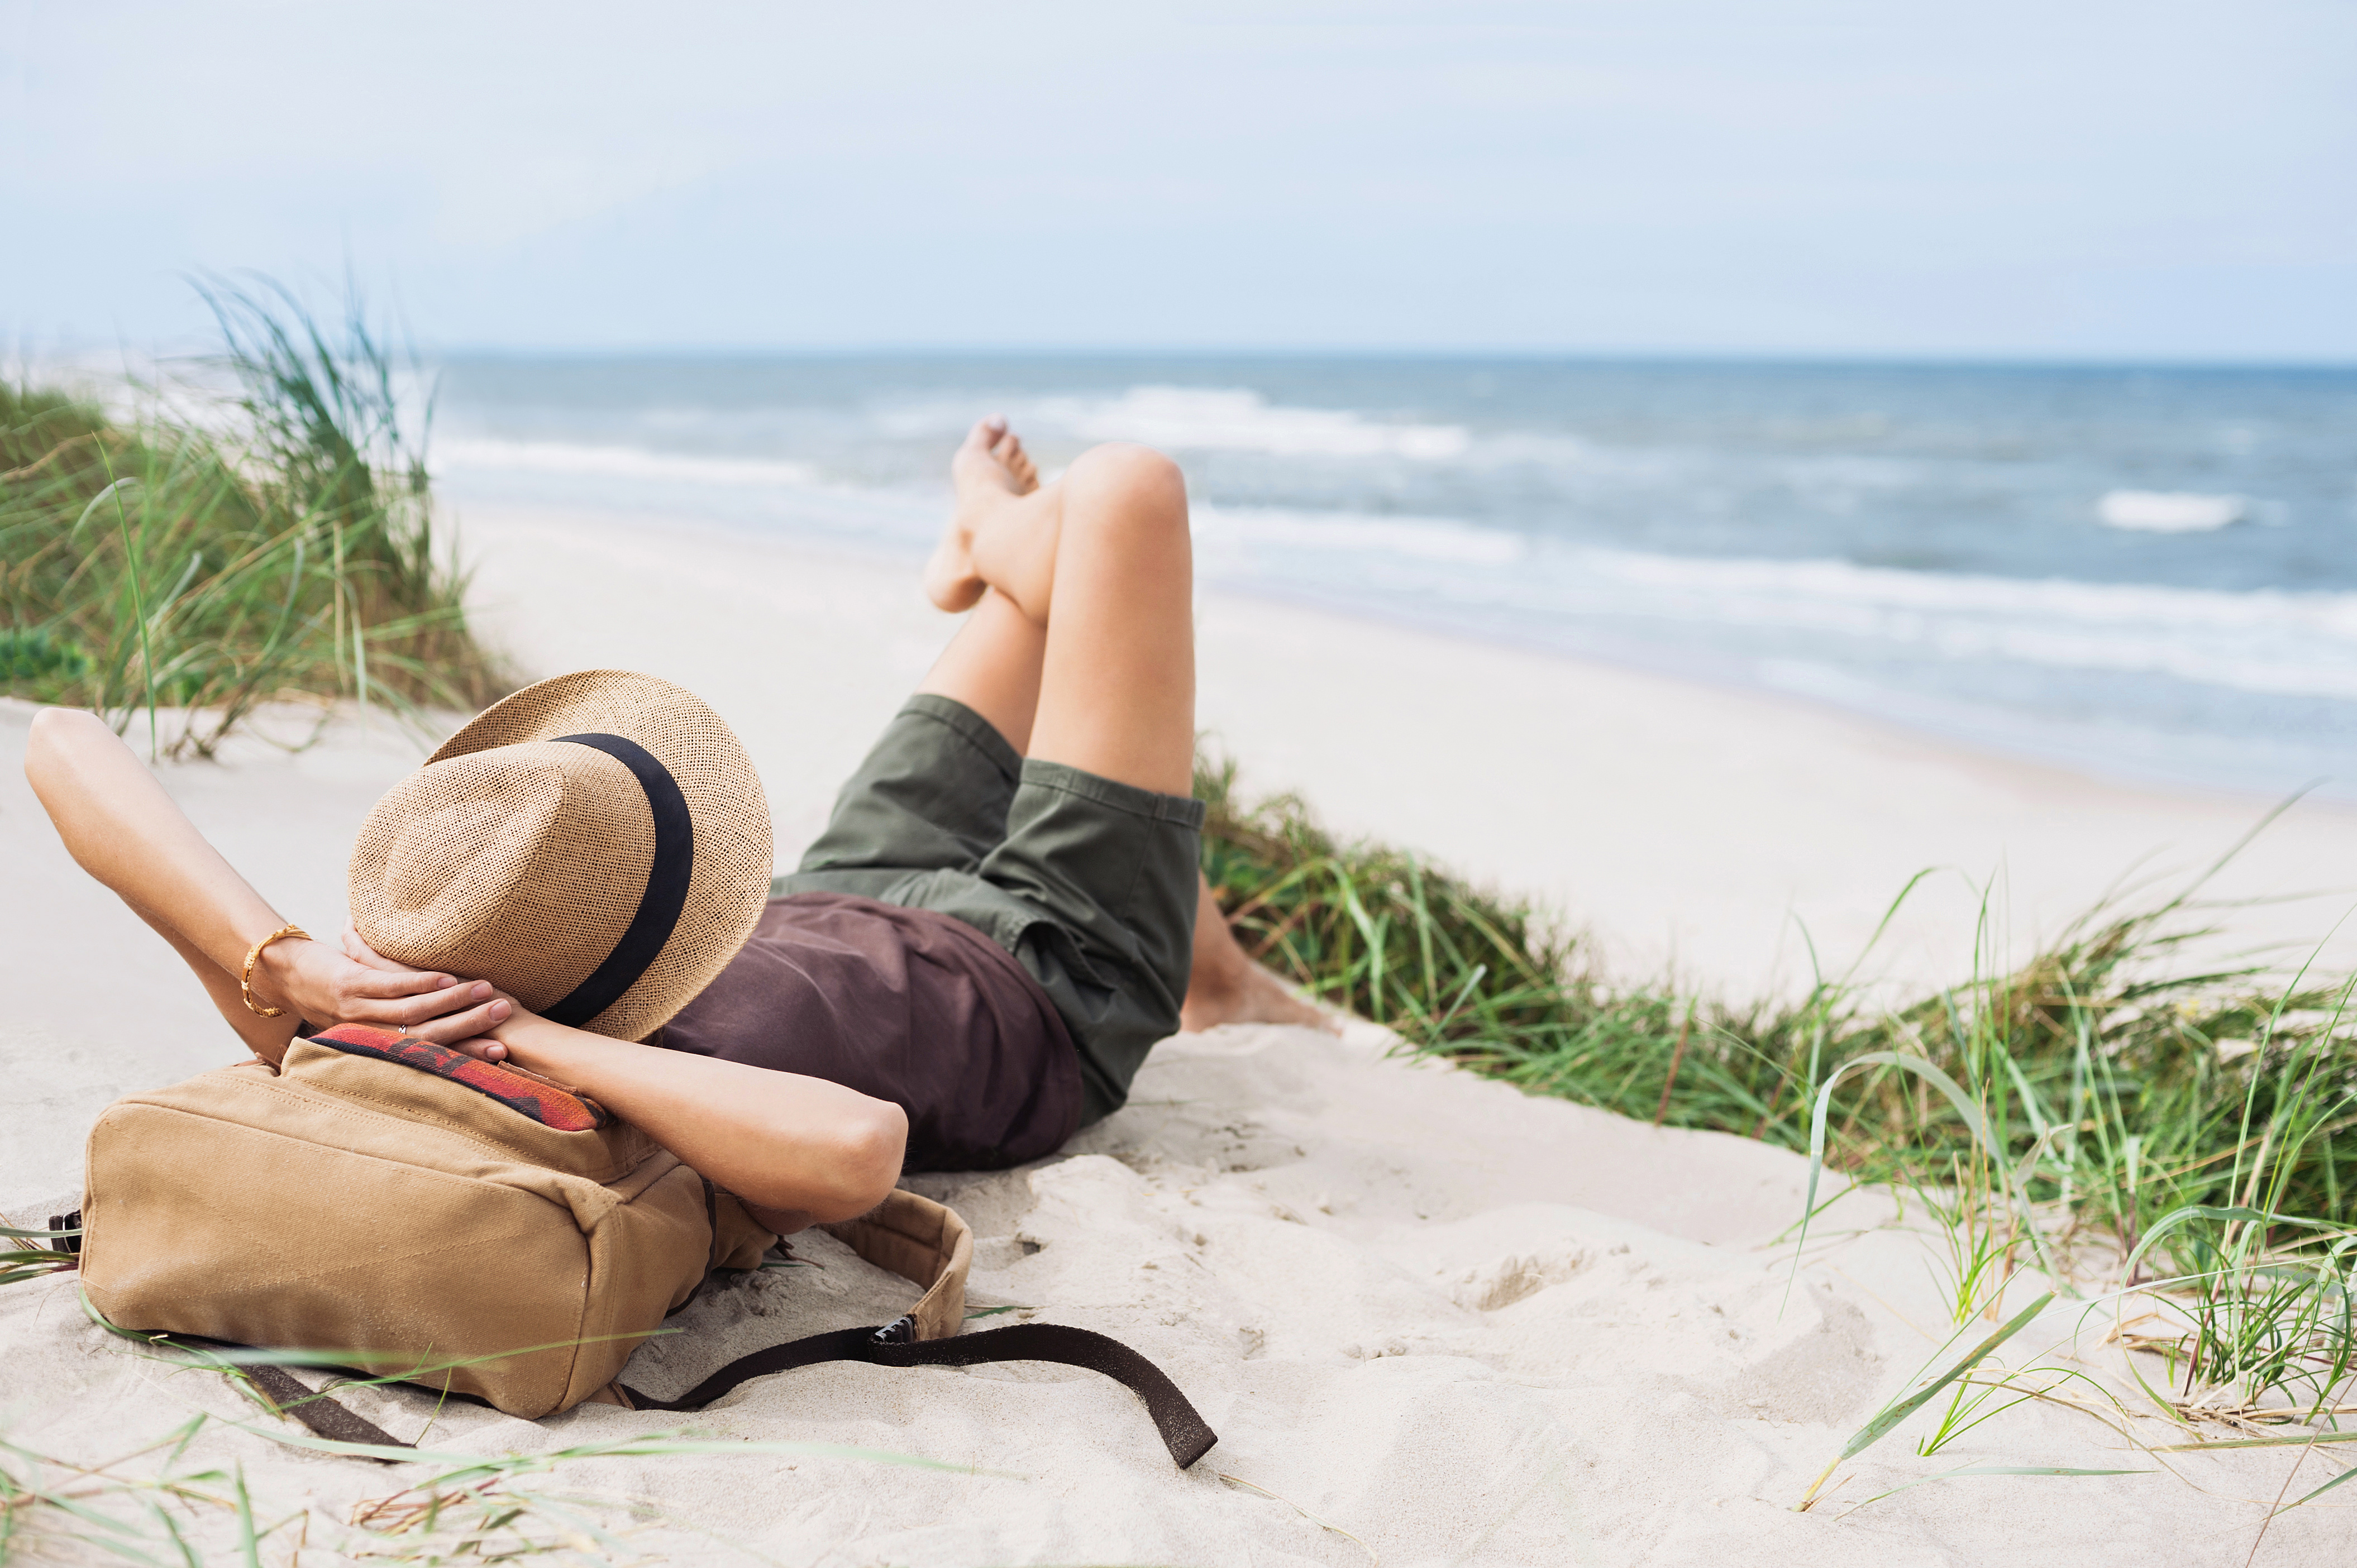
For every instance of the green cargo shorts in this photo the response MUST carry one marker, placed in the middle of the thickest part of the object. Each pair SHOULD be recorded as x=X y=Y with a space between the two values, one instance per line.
x=1090 y=884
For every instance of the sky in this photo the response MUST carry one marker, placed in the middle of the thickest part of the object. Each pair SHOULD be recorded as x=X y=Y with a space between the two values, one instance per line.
x=2065 y=180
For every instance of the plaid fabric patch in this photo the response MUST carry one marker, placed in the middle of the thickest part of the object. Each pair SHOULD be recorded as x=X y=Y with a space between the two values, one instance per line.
x=549 y=1104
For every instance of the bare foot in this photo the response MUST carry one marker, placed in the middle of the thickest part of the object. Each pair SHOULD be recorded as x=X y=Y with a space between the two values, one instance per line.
x=990 y=467
x=1246 y=994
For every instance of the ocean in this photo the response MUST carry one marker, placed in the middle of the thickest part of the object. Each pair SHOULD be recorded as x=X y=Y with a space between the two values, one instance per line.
x=2145 y=573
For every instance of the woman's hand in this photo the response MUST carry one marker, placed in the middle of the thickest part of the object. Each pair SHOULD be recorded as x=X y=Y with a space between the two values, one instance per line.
x=359 y=986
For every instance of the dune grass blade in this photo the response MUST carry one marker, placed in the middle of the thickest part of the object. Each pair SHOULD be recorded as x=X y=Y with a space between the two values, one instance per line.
x=1965 y=1109
x=2301 y=1440
x=2311 y=1497
x=31 y=1509
x=31 y=1262
x=114 y=492
x=249 y=1544
x=465 y=1467
x=1965 y=1470
x=1372 y=1556
x=1899 y=1408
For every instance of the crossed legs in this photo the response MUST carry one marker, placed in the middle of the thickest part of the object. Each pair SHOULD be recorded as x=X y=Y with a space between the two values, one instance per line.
x=1081 y=648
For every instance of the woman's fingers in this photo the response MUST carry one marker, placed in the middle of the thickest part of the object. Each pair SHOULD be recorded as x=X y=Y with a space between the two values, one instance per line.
x=360 y=952
x=463 y=1030
x=393 y=983
x=408 y=1010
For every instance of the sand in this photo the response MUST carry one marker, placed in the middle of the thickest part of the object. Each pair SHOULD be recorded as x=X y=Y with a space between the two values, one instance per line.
x=1461 y=1324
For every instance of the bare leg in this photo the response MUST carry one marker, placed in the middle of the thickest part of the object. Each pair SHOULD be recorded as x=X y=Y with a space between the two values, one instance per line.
x=1228 y=987
x=1081 y=648
x=993 y=667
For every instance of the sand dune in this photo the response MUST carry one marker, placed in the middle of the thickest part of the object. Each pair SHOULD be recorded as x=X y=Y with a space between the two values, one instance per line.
x=1461 y=1324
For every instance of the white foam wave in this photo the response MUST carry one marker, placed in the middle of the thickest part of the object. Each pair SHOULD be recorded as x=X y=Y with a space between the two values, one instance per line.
x=2170 y=512
x=1238 y=420
x=2267 y=641
x=2270 y=641
x=1233 y=531
x=616 y=462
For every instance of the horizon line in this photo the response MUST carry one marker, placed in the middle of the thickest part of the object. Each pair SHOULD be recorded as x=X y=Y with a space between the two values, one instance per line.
x=1777 y=357
x=23 y=355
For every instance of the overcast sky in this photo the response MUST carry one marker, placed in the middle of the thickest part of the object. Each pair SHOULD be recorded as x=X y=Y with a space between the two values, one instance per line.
x=2051 y=178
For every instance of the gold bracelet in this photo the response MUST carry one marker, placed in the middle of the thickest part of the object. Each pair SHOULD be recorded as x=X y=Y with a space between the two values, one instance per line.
x=245 y=979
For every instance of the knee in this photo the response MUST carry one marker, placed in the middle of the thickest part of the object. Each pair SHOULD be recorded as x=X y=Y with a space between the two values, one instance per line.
x=1133 y=483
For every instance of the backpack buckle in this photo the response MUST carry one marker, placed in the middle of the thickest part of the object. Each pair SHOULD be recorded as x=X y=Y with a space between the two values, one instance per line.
x=901 y=1330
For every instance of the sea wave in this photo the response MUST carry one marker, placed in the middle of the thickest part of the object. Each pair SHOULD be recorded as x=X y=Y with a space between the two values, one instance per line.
x=1234 y=419
x=2279 y=643
x=2270 y=640
x=2170 y=512
x=562 y=457
x=1237 y=531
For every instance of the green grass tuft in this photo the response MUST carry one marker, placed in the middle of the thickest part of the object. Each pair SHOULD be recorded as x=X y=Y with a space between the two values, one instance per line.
x=2153 y=1083
x=286 y=551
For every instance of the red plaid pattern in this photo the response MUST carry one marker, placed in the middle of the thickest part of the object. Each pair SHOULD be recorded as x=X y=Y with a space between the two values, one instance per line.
x=533 y=1096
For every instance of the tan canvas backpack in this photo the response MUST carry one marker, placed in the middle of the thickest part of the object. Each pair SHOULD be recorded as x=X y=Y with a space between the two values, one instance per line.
x=417 y=1213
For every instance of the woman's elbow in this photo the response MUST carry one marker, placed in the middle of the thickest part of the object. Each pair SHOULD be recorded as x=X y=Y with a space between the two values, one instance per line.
x=865 y=1160
x=55 y=736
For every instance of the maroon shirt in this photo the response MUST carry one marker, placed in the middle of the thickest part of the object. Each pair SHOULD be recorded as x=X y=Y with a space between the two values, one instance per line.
x=904 y=1005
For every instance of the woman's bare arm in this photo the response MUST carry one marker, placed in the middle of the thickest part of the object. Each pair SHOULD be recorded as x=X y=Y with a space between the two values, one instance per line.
x=801 y=1150
x=122 y=828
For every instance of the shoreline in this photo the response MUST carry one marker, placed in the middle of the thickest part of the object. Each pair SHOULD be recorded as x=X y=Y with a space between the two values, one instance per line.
x=1708 y=831
x=1958 y=731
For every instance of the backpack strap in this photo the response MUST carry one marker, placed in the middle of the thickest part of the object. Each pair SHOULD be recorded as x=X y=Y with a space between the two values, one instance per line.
x=924 y=1242
x=290 y=1396
x=1183 y=1431
x=338 y=1423
x=930 y=1246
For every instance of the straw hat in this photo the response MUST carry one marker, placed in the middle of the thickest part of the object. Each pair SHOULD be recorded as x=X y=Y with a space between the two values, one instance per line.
x=597 y=846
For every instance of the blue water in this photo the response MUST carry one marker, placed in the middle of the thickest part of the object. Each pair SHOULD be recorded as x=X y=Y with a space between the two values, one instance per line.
x=2145 y=571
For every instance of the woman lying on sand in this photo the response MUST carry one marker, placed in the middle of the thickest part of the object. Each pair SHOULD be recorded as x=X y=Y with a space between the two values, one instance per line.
x=1002 y=917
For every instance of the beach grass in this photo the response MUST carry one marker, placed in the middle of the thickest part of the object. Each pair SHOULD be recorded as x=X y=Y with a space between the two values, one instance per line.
x=2145 y=1084
x=2116 y=1114
x=174 y=1500
x=215 y=552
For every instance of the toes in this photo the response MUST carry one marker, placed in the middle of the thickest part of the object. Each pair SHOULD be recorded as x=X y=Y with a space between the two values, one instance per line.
x=1016 y=461
x=986 y=433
